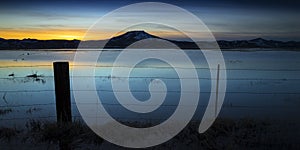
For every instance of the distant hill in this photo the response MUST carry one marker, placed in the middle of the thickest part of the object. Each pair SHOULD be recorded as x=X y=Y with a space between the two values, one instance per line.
x=128 y=38
x=258 y=43
x=37 y=44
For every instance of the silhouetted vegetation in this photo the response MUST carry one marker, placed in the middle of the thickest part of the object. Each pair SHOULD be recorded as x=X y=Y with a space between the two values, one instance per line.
x=223 y=134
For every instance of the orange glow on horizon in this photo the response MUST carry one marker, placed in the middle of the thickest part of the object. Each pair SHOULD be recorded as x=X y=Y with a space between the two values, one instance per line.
x=70 y=34
x=43 y=34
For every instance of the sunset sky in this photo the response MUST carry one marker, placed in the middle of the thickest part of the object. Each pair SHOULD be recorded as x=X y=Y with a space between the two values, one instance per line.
x=227 y=19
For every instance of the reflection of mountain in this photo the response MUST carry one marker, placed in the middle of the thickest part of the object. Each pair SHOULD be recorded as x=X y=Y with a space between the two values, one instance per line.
x=131 y=37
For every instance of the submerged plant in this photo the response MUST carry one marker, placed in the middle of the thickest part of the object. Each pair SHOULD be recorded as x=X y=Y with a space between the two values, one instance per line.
x=5 y=111
x=33 y=109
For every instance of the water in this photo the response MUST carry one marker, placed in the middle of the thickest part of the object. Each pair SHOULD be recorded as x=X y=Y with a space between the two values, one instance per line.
x=260 y=84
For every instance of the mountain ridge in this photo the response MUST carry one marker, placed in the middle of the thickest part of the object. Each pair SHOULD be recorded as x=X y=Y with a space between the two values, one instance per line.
x=130 y=37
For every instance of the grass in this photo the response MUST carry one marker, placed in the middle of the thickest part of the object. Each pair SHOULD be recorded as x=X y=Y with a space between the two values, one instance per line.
x=76 y=133
x=234 y=134
x=6 y=134
x=223 y=134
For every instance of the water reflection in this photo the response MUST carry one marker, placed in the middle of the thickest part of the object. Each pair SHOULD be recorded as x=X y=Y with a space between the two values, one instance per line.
x=260 y=84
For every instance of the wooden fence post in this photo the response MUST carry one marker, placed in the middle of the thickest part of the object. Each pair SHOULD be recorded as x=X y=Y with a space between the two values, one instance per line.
x=62 y=92
x=217 y=90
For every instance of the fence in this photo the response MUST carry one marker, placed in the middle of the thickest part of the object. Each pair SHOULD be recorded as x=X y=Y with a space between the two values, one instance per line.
x=287 y=93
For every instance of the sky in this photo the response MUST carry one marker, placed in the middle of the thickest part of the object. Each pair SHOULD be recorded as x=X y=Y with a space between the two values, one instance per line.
x=227 y=19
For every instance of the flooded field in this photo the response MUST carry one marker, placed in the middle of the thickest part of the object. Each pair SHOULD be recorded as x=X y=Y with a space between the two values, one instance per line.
x=262 y=84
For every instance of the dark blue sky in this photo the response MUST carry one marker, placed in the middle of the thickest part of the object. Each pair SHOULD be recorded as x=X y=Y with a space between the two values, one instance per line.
x=227 y=19
x=266 y=4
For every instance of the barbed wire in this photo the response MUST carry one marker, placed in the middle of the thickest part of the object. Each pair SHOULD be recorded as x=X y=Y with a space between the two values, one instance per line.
x=145 y=91
x=155 y=67
x=155 y=77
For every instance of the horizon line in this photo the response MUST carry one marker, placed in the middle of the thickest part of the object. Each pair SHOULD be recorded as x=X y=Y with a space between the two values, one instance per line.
x=162 y=38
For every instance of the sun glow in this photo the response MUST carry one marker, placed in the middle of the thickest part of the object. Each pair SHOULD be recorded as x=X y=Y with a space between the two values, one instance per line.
x=44 y=34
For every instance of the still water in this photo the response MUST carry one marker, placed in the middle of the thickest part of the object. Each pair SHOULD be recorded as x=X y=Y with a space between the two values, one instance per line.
x=260 y=84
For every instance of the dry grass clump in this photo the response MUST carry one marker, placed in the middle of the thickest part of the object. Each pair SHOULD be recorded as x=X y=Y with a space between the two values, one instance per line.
x=6 y=134
x=75 y=133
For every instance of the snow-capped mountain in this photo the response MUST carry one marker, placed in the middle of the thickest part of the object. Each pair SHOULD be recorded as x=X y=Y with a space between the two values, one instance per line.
x=137 y=35
x=129 y=38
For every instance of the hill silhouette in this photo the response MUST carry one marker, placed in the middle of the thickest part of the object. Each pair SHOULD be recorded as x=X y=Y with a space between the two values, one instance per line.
x=128 y=38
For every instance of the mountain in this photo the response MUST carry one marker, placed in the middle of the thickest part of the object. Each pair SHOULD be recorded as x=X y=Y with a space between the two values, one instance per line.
x=15 y=44
x=133 y=36
x=258 y=43
x=128 y=38
x=124 y=40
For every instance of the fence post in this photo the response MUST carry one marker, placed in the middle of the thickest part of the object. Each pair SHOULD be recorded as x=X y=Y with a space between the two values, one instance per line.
x=217 y=90
x=62 y=92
